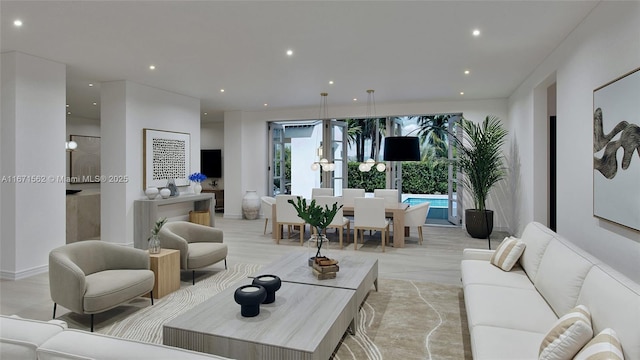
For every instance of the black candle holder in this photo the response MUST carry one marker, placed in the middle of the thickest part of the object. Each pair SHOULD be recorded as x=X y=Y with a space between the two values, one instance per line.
x=249 y=297
x=271 y=283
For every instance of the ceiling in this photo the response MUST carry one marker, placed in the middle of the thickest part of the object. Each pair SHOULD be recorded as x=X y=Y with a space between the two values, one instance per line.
x=406 y=51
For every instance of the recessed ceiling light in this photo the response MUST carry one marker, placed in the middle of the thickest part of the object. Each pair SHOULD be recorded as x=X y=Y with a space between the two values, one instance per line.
x=355 y=99
x=476 y=32
x=461 y=92
x=467 y=72
x=330 y=82
x=265 y=104
x=221 y=90
x=17 y=23
x=90 y=84
x=95 y=103
x=152 y=67
x=289 y=52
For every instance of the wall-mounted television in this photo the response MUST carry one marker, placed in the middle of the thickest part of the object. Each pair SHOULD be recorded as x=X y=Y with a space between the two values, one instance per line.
x=211 y=163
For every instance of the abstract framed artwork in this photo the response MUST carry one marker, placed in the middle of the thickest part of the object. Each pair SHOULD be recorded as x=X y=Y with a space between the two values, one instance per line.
x=84 y=164
x=616 y=150
x=167 y=156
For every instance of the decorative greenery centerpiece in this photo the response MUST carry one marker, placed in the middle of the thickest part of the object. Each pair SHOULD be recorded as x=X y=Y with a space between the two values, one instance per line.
x=197 y=177
x=316 y=216
x=481 y=159
x=154 y=242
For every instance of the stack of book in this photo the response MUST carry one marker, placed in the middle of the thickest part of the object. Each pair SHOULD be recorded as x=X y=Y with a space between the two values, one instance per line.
x=325 y=268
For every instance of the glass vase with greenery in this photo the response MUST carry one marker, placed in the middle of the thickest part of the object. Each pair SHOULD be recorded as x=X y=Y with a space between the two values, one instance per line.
x=316 y=216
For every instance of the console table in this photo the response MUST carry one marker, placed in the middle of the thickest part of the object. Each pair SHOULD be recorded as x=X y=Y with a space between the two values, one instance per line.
x=146 y=212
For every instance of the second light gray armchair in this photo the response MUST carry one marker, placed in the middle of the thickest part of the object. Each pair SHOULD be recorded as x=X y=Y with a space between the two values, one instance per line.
x=199 y=245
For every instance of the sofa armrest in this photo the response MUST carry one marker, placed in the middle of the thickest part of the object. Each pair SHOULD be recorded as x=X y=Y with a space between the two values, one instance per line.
x=477 y=254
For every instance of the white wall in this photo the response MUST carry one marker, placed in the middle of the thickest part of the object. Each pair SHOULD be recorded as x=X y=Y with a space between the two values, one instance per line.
x=604 y=47
x=33 y=123
x=126 y=109
x=246 y=160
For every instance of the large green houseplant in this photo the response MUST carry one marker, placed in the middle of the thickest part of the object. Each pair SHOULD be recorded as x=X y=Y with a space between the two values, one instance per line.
x=317 y=216
x=481 y=160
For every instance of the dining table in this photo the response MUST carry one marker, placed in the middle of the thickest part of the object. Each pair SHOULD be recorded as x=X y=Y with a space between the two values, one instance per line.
x=394 y=211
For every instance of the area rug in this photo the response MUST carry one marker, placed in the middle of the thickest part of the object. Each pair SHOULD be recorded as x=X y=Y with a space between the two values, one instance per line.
x=403 y=320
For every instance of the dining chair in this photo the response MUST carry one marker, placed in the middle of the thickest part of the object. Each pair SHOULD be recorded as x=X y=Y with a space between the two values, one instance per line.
x=369 y=215
x=390 y=196
x=416 y=215
x=321 y=192
x=286 y=214
x=339 y=221
x=266 y=204
x=349 y=194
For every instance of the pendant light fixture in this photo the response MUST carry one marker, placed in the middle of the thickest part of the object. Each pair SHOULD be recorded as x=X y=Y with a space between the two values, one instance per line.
x=371 y=116
x=323 y=163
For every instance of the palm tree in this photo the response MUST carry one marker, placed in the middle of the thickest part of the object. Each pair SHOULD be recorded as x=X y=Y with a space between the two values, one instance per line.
x=353 y=132
x=433 y=131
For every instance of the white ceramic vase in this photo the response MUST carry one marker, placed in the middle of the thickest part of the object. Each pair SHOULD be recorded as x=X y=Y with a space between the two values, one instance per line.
x=151 y=192
x=165 y=193
x=250 y=205
x=197 y=188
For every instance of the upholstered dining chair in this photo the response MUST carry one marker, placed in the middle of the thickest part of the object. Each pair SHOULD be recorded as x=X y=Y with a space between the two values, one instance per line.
x=266 y=204
x=199 y=245
x=390 y=196
x=416 y=215
x=339 y=221
x=349 y=194
x=321 y=192
x=369 y=214
x=286 y=214
x=93 y=276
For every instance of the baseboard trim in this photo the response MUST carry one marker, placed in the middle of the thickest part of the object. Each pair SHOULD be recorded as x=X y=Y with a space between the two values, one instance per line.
x=10 y=275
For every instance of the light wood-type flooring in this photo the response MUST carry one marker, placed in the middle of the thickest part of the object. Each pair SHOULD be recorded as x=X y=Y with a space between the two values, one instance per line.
x=436 y=260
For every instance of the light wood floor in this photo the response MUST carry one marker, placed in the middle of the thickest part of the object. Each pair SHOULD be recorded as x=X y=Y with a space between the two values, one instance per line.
x=436 y=260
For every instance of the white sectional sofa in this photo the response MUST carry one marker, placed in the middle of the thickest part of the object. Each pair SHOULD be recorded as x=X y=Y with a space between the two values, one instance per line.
x=31 y=339
x=509 y=313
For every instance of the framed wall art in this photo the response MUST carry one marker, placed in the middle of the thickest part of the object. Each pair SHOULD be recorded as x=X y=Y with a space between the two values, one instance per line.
x=167 y=156
x=84 y=164
x=616 y=150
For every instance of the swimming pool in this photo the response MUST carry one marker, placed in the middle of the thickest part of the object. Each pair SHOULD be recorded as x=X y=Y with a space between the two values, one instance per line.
x=438 y=208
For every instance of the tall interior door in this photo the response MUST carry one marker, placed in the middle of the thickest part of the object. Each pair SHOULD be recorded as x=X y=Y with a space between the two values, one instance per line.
x=394 y=175
x=454 y=182
x=277 y=178
x=334 y=143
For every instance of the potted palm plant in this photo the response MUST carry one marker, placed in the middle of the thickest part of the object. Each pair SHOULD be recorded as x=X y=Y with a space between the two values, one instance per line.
x=316 y=216
x=481 y=160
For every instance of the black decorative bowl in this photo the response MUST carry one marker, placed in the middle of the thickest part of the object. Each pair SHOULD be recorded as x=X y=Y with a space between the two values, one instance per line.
x=271 y=283
x=249 y=297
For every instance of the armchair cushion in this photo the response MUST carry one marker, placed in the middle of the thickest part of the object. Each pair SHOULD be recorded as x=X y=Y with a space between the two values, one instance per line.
x=205 y=254
x=107 y=289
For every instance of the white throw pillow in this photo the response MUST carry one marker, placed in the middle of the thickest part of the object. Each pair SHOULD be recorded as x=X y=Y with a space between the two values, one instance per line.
x=508 y=253
x=605 y=345
x=568 y=335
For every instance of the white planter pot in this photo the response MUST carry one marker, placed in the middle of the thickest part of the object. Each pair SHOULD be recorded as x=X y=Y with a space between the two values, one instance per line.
x=250 y=205
x=197 y=188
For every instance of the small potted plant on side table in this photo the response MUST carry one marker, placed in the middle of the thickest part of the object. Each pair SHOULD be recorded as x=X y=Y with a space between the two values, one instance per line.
x=154 y=241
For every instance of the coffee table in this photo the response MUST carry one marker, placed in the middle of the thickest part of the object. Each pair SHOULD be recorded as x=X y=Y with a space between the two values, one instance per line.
x=356 y=273
x=305 y=322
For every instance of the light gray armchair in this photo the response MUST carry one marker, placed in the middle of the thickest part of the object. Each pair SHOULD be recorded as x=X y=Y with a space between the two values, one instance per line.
x=93 y=276
x=199 y=245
